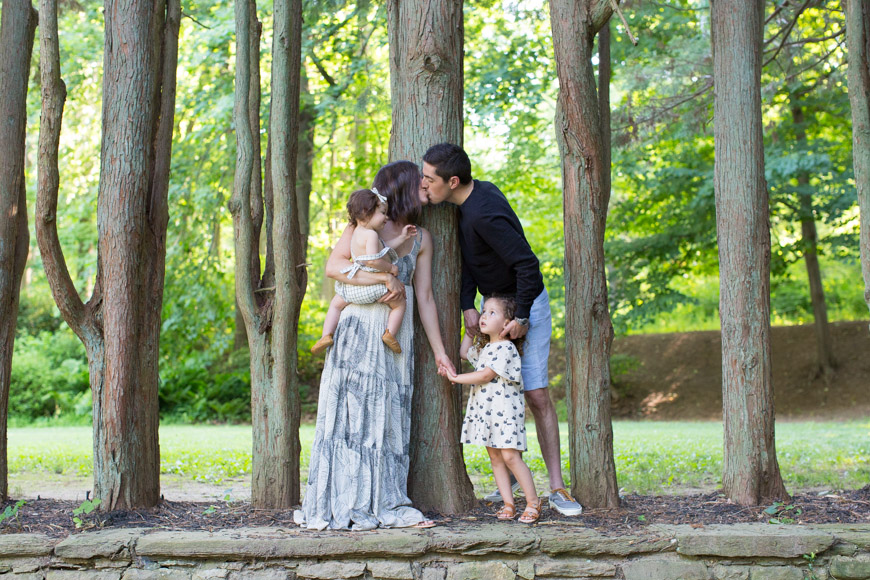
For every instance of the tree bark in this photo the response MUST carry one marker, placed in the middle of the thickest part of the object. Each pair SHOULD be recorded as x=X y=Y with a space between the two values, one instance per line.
x=120 y=325
x=858 y=43
x=588 y=329
x=305 y=157
x=270 y=305
x=751 y=472
x=17 y=27
x=426 y=40
x=809 y=242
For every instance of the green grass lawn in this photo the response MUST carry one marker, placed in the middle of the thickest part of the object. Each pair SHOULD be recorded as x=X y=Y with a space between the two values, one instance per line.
x=651 y=457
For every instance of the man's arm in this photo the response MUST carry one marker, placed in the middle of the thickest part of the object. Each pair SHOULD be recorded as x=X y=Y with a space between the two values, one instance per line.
x=514 y=250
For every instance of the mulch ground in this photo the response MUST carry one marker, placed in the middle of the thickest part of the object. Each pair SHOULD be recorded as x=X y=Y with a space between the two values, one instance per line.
x=55 y=518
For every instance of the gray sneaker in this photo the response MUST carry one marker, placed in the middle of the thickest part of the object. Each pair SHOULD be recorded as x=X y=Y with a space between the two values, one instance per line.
x=562 y=502
x=495 y=496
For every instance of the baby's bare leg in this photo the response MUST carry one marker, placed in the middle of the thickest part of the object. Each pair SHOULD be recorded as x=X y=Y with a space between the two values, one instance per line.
x=333 y=314
x=397 y=313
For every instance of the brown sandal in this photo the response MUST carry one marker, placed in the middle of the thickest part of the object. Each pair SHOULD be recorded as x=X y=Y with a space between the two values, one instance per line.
x=391 y=342
x=507 y=512
x=322 y=344
x=532 y=513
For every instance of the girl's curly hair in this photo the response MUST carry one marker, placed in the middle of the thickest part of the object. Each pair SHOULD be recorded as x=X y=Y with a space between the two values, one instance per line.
x=509 y=305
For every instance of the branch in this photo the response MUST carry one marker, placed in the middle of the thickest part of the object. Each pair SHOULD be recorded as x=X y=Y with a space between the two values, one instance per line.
x=788 y=30
x=680 y=8
x=815 y=63
x=53 y=97
x=601 y=11
x=185 y=15
x=776 y=12
x=837 y=34
x=670 y=107
x=624 y=22
x=326 y=76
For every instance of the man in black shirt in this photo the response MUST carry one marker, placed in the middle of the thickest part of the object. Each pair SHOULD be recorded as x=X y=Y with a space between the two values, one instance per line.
x=497 y=259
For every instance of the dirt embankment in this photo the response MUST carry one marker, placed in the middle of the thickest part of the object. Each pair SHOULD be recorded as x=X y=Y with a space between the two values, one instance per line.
x=678 y=376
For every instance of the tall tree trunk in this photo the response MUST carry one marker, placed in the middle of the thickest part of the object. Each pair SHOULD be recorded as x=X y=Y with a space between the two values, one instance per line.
x=426 y=39
x=858 y=39
x=604 y=72
x=120 y=324
x=305 y=156
x=810 y=243
x=588 y=330
x=270 y=305
x=17 y=26
x=751 y=471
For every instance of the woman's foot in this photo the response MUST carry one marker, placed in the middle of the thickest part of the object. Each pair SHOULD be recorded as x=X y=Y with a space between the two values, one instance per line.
x=532 y=513
x=322 y=344
x=507 y=512
x=391 y=342
x=424 y=525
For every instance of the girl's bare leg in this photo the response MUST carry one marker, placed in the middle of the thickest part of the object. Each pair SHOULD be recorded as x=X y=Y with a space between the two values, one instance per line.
x=501 y=475
x=513 y=459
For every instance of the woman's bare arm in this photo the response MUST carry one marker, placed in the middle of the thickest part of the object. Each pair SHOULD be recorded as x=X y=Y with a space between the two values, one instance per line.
x=426 y=303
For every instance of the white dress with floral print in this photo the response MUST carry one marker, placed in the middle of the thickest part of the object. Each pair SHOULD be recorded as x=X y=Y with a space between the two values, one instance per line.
x=496 y=411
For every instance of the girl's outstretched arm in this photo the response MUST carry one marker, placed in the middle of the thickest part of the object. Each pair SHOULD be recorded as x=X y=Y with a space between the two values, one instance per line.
x=475 y=378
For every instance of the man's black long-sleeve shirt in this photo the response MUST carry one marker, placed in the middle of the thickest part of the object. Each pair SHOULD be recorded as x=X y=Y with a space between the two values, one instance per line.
x=496 y=258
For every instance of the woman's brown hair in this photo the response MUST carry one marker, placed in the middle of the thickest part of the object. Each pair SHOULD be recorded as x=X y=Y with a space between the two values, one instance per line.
x=399 y=182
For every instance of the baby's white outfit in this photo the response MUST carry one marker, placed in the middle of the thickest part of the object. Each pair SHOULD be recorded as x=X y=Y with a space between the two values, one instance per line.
x=364 y=294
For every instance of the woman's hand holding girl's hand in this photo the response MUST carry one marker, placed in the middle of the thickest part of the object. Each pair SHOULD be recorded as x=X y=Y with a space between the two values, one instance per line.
x=444 y=364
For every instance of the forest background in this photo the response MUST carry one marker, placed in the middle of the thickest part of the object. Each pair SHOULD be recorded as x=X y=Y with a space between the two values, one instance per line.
x=661 y=239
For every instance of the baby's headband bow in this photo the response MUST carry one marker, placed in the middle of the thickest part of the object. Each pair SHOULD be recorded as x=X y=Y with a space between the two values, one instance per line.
x=378 y=195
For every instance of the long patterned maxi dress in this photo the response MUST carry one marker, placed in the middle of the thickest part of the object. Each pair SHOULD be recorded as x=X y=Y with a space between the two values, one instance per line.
x=358 y=473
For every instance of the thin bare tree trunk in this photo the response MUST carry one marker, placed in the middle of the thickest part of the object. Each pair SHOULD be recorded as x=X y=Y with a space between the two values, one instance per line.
x=305 y=156
x=858 y=42
x=270 y=304
x=17 y=26
x=120 y=325
x=751 y=472
x=810 y=243
x=426 y=39
x=588 y=330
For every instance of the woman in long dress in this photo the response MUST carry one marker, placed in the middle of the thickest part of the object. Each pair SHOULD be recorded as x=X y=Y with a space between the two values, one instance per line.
x=358 y=471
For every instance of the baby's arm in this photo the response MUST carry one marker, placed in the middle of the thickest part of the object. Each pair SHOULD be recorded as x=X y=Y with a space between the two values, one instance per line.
x=372 y=245
x=475 y=378
x=408 y=232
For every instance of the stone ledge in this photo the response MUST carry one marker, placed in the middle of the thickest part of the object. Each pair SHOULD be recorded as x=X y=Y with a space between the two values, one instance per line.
x=26 y=545
x=486 y=550
x=752 y=541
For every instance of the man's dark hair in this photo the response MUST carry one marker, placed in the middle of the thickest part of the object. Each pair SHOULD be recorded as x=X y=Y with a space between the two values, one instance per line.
x=449 y=160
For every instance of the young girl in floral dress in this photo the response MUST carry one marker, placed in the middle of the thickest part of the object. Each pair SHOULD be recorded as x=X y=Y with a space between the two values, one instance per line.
x=495 y=416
